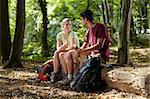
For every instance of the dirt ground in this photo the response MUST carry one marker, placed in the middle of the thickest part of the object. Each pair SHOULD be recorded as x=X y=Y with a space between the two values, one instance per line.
x=20 y=83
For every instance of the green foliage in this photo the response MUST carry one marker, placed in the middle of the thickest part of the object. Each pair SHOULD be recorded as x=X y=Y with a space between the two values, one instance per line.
x=144 y=40
x=31 y=49
x=12 y=16
x=59 y=9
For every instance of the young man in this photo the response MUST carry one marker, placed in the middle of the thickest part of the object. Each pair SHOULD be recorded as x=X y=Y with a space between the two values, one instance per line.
x=96 y=43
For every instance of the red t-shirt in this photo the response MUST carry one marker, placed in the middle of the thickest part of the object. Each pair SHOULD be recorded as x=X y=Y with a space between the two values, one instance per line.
x=99 y=31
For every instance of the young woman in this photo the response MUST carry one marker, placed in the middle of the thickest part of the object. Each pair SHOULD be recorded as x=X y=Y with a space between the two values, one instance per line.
x=66 y=40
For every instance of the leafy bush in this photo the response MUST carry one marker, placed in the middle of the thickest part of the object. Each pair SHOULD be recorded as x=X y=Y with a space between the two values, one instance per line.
x=32 y=50
x=144 y=40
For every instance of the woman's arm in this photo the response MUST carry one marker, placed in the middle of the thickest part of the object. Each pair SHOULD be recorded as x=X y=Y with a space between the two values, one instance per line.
x=74 y=45
x=61 y=46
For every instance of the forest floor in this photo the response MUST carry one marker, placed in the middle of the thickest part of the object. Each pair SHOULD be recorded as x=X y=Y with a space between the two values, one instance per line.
x=20 y=83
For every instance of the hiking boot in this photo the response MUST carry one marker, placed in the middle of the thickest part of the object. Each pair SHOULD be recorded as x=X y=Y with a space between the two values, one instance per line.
x=54 y=77
x=66 y=81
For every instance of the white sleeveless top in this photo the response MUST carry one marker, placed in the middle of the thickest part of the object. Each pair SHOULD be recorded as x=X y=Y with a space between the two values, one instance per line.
x=61 y=36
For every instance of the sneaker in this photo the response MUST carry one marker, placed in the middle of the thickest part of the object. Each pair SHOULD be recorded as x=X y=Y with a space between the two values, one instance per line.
x=54 y=77
x=66 y=81
x=75 y=74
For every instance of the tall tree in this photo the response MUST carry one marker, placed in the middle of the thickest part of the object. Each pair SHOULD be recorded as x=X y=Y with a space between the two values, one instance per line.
x=140 y=15
x=145 y=10
x=5 y=39
x=123 y=50
x=45 y=48
x=106 y=10
x=19 y=35
x=133 y=35
x=103 y=12
x=0 y=27
x=88 y=4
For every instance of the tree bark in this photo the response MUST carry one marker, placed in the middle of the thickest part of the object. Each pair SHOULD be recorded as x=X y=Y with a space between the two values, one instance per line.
x=103 y=12
x=0 y=29
x=5 y=39
x=111 y=10
x=18 y=37
x=140 y=16
x=88 y=4
x=119 y=13
x=123 y=50
x=107 y=11
x=133 y=35
x=120 y=9
x=45 y=49
x=148 y=14
x=145 y=16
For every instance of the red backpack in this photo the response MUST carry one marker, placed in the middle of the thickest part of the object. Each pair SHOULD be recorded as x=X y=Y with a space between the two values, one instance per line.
x=44 y=71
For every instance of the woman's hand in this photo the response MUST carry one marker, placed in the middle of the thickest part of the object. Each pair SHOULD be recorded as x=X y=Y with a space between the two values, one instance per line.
x=74 y=46
x=63 y=47
x=65 y=44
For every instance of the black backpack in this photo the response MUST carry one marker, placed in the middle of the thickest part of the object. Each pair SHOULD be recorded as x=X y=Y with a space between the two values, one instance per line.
x=88 y=78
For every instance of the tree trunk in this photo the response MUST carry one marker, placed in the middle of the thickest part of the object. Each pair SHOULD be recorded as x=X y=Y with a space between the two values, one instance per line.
x=148 y=14
x=111 y=11
x=88 y=4
x=45 y=49
x=140 y=16
x=133 y=35
x=103 y=12
x=145 y=16
x=123 y=50
x=5 y=39
x=0 y=30
x=120 y=9
x=19 y=35
x=107 y=11
x=119 y=13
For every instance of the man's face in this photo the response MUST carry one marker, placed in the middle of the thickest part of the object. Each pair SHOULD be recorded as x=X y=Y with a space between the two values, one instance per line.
x=84 y=21
x=67 y=26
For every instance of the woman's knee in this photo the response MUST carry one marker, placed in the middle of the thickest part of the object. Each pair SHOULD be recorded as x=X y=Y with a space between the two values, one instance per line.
x=61 y=54
x=69 y=54
x=56 y=53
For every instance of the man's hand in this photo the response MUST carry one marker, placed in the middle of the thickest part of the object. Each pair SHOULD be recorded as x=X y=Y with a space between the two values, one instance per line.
x=80 y=51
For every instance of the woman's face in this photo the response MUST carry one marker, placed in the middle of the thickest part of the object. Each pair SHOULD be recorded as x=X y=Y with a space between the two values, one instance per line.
x=66 y=26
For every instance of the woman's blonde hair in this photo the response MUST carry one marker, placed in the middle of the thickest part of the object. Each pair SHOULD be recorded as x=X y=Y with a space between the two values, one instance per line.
x=65 y=20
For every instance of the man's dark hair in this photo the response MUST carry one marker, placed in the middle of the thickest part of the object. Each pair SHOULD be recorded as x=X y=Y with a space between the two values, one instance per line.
x=87 y=14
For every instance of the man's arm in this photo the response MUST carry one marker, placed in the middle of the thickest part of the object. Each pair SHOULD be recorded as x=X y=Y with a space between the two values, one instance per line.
x=85 y=44
x=97 y=46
